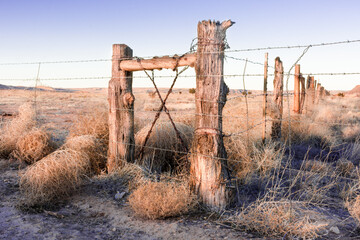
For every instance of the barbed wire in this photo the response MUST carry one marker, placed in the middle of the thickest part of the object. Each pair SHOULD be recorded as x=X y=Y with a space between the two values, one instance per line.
x=294 y=46
x=172 y=76
x=177 y=55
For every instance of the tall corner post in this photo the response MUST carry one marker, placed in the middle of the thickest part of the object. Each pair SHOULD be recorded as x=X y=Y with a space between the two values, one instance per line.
x=121 y=111
x=209 y=172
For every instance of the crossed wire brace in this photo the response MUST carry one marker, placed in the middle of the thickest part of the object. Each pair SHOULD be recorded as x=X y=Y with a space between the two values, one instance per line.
x=163 y=107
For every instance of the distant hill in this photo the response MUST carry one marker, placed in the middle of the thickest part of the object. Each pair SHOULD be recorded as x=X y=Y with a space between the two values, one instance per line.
x=39 y=88
x=355 y=90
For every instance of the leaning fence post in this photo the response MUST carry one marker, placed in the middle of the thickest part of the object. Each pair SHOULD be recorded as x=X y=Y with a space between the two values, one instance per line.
x=303 y=93
x=209 y=172
x=297 y=89
x=265 y=97
x=277 y=100
x=121 y=111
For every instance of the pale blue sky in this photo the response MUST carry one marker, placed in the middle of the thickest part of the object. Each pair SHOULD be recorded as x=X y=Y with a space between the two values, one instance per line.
x=86 y=29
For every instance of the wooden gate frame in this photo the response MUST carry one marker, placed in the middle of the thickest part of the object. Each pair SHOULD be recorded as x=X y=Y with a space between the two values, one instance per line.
x=209 y=172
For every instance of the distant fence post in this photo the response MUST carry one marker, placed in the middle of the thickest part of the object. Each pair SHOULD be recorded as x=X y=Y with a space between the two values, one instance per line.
x=303 y=93
x=318 y=93
x=310 y=94
x=277 y=100
x=312 y=89
x=297 y=89
x=265 y=97
x=322 y=92
x=209 y=172
x=121 y=111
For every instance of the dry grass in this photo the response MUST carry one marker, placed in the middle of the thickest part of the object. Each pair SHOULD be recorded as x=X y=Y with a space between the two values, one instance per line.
x=16 y=128
x=33 y=146
x=92 y=147
x=63 y=171
x=131 y=174
x=163 y=136
x=54 y=177
x=255 y=159
x=345 y=168
x=159 y=200
x=354 y=208
x=94 y=123
x=278 y=219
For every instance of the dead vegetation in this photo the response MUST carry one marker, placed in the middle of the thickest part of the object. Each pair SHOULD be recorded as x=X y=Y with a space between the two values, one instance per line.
x=13 y=130
x=91 y=123
x=163 y=150
x=54 y=177
x=33 y=146
x=159 y=200
x=60 y=173
x=278 y=218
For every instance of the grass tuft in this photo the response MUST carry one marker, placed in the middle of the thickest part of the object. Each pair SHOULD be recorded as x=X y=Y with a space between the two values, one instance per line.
x=159 y=200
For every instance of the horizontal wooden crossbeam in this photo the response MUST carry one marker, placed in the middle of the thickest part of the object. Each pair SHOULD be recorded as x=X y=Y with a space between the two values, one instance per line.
x=158 y=63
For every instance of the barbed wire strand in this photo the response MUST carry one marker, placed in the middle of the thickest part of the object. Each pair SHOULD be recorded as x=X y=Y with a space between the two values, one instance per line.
x=191 y=50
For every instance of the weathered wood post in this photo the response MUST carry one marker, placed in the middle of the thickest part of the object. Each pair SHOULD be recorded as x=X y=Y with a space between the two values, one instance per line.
x=277 y=100
x=322 y=92
x=318 y=93
x=121 y=111
x=303 y=93
x=312 y=89
x=310 y=94
x=265 y=97
x=297 y=89
x=209 y=172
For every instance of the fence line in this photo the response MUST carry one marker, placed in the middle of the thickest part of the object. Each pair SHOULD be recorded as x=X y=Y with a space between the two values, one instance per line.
x=245 y=94
x=181 y=76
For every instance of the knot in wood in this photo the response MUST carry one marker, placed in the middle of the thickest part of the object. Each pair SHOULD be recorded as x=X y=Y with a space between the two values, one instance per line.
x=128 y=99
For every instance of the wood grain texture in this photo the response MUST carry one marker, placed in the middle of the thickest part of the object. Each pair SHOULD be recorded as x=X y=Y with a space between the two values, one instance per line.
x=297 y=89
x=209 y=172
x=158 y=63
x=303 y=93
x=310 y=94
x=121 y=111
x=265 y=97
x=278 y=99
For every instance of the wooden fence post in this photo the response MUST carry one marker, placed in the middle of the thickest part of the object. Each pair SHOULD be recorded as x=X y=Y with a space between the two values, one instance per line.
x=310 y=94
x=209 y=172
x=265 y=97
x=121 y=111
x=322 y=92
x=278 y=99
x=318 y=93
x=312 y=87
x=297 y=89
x=303 y=93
